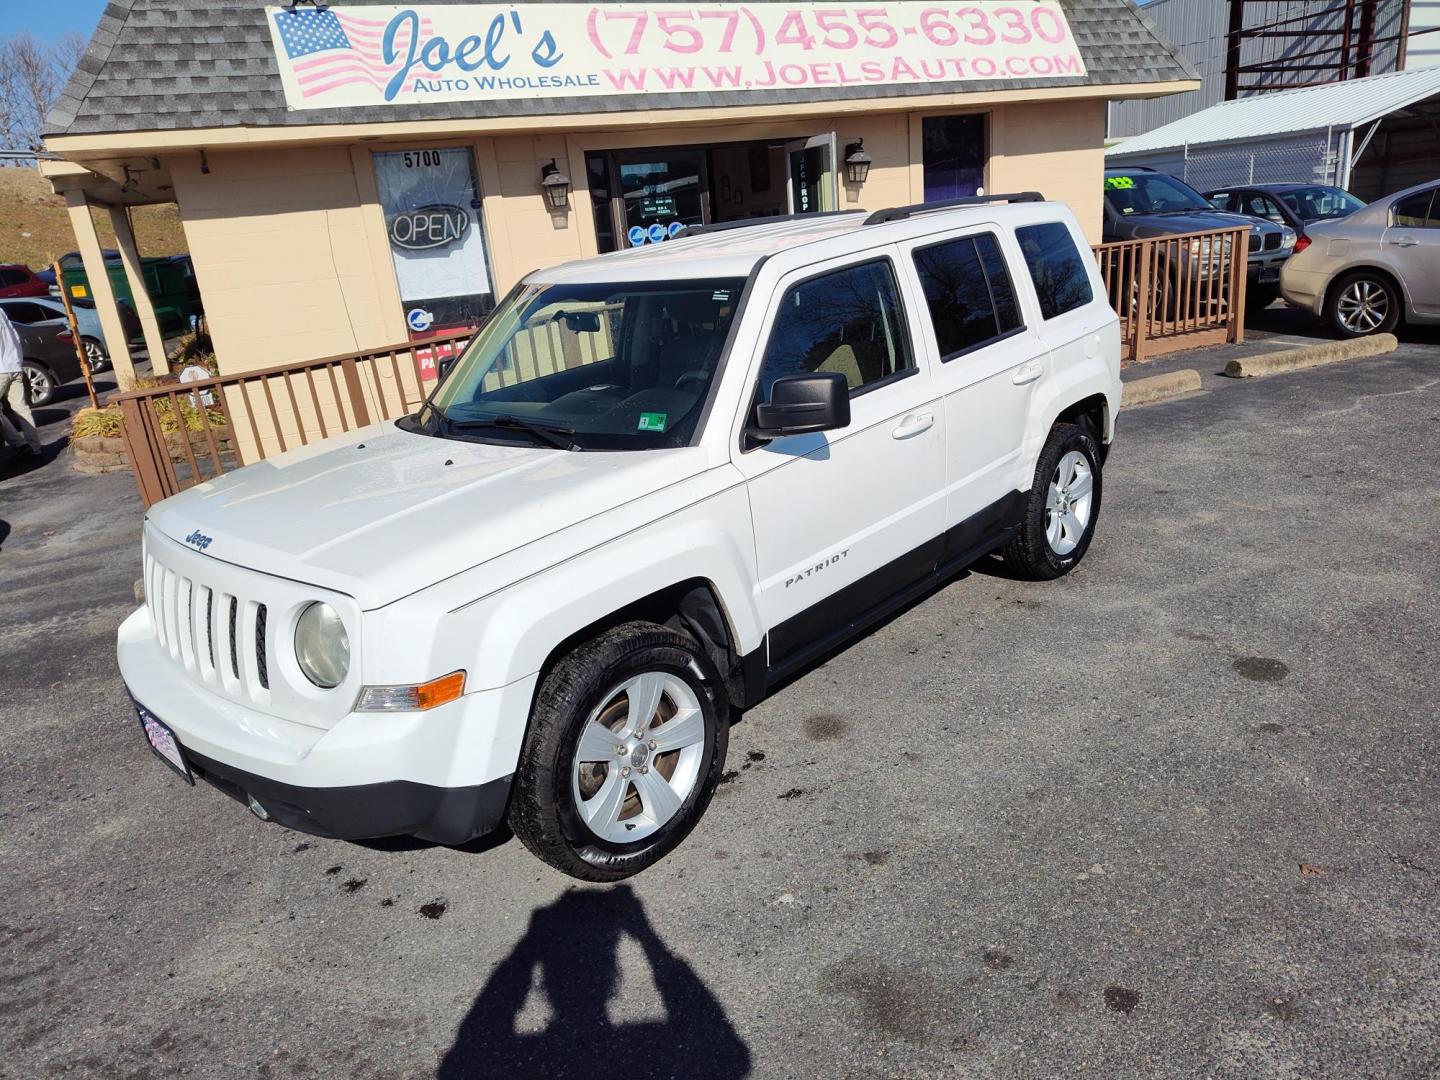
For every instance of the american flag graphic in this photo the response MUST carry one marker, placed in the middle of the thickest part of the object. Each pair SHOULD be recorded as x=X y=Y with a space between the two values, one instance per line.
x=329 y=49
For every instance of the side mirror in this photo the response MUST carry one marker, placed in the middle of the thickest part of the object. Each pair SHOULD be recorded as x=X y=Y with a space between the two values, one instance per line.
x=800 y=404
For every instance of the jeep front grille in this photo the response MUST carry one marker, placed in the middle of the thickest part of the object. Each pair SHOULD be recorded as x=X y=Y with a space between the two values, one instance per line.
x=197 y=624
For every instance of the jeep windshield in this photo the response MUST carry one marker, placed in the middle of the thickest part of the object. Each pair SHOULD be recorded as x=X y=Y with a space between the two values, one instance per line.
x=1153 y=193
x=621 y=366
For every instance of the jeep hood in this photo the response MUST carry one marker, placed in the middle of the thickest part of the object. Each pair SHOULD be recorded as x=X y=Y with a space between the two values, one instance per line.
x=381 y=513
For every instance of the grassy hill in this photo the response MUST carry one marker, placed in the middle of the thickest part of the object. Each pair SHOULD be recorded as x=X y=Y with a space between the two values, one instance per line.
x=35 y=226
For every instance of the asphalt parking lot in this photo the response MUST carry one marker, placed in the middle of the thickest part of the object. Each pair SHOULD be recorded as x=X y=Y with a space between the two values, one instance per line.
x=1177 y=814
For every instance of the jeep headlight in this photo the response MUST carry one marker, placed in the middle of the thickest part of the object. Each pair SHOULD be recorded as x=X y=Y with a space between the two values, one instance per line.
x=322 y=648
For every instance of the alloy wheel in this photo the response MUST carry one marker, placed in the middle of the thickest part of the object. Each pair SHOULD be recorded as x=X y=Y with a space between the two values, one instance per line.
x=39 y=384
x=638 y=757
x=1363 y=306
x=1069 y=502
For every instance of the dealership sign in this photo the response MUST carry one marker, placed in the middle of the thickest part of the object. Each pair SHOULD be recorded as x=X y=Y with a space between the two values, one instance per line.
x=392 y=54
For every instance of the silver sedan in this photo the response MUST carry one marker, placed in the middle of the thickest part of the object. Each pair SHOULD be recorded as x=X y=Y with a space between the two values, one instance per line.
x=1366 y=272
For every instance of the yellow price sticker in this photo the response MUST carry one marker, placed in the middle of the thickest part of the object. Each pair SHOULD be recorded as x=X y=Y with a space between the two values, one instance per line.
x=79 y=290
x=1121 y=182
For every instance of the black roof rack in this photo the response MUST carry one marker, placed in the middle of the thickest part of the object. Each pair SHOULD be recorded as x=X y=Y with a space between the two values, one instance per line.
x=900 y=213
x=745 y=223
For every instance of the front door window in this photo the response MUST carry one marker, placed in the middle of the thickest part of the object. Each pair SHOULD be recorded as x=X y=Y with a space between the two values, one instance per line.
x=432 y=213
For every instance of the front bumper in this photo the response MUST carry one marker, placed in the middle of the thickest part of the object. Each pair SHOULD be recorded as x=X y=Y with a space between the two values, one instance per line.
x=365 y=811
x=443 y=775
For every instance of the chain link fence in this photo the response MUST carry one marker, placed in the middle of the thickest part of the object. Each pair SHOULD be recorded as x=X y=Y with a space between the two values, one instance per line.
x=1312 y=157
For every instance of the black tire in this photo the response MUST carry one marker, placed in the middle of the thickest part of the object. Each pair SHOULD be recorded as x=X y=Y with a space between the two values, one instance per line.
x=542 y=811
x=1029 y=554
x=1369 y=281
x=39 y=384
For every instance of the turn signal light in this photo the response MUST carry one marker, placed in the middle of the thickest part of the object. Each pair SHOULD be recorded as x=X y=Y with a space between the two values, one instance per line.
x=1302 y=244
x=412 y=698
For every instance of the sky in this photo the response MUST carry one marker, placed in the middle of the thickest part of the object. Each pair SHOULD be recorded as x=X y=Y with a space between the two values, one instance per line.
x=48 y=19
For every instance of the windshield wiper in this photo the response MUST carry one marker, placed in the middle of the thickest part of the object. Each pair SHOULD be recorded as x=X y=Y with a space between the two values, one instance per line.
x=554 y=434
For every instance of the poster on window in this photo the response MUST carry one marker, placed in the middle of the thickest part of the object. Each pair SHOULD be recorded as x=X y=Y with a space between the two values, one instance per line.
x=433 y=221
x=348 y=55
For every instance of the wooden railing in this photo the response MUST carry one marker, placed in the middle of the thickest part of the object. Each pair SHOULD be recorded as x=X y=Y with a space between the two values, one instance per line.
x=1177 y=292
x=181 y=434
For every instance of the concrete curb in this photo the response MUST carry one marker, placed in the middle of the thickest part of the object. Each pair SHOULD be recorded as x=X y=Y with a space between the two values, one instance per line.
x=1308 y=356
x=1157 y=388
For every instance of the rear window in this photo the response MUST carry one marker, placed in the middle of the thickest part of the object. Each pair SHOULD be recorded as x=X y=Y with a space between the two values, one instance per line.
x=968 y=293
x=1056 y=267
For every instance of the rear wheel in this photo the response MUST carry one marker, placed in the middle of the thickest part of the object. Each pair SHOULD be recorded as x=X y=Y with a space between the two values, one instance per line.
x=1064 y=504
x=1363 y=303
x=626 y=743
x=95 y=355
x=39 y=383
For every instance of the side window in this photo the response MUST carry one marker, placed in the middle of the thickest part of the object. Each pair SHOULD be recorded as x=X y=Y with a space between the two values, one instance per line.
x=24 y=314
x=968 y=293
x=1416 y=212
x=848 y=321
x=1220 y=200
x=1056 y=268
x=10 y=277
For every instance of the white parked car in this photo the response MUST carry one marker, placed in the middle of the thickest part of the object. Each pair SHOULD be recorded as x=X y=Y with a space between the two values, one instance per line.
x=655 y=483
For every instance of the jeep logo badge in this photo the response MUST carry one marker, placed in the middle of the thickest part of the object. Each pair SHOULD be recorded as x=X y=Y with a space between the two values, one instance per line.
x=198 y=540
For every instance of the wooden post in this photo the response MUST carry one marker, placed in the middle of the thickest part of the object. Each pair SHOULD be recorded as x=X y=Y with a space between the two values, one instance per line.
x=75 y=334
x=88 y=241
x=139 y=289
x=357 y=395
x=1145 y=298
x=1239 y=268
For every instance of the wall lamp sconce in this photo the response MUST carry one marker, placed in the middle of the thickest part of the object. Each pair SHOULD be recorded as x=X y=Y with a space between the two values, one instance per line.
x=857 y=162
x=556 y=186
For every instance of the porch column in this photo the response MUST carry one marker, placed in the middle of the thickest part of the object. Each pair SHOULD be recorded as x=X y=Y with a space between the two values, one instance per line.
x=88 y=242
x=130 y=256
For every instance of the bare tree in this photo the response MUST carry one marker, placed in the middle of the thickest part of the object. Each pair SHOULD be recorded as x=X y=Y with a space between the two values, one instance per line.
x=32 y=76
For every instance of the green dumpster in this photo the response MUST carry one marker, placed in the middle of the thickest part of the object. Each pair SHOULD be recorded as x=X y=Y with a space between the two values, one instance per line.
x=169 y=281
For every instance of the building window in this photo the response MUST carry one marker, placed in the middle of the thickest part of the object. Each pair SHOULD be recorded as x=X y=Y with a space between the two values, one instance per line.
x=954 y=155
x=431 y=203
x=1056 y=267
x=968 y=292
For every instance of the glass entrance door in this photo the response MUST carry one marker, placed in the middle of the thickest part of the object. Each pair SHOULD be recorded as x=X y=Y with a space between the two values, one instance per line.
x=657 y=192
x=810 y=168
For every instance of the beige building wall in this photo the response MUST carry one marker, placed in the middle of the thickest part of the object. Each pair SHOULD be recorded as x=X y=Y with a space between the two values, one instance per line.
x=1057 y=148
x=294 y=264
x=285 y=255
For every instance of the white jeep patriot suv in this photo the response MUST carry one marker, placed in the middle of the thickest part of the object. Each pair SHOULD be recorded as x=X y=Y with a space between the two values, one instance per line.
x=654 y=483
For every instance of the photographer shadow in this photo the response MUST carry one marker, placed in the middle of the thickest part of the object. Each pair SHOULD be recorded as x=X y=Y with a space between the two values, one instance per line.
x=573 y=945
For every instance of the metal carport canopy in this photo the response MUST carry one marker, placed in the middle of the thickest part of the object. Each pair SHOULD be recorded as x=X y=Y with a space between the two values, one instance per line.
x=1342 y=106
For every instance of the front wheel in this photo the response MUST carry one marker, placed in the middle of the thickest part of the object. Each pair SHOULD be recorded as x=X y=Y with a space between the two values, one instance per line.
x=626 y=743
x=1063 y=506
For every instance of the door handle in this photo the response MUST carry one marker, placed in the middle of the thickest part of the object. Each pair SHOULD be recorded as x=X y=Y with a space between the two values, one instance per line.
x=913 y=425
x=1027 y=374
x=1405 y=241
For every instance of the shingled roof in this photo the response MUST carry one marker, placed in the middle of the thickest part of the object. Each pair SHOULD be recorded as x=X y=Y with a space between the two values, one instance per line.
x=164 y=65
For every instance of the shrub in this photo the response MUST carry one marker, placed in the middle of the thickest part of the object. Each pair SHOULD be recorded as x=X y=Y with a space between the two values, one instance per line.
x=97 y=423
